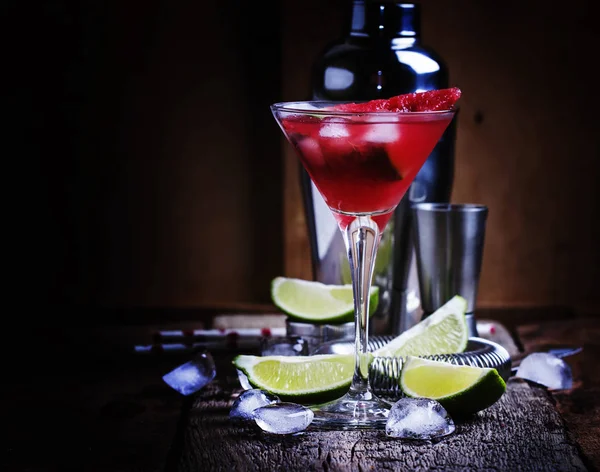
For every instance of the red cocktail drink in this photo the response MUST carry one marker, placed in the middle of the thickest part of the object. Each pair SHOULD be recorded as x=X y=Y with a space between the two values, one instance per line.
x=364 y=164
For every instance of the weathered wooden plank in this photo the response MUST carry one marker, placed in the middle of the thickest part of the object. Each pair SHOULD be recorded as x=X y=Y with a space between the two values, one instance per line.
x=579 y=406
x=523 y=431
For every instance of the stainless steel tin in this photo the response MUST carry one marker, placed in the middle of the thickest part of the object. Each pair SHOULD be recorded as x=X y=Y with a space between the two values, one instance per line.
x=449 y=240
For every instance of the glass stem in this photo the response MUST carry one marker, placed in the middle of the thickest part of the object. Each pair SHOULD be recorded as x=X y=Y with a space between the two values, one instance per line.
x=362 y=240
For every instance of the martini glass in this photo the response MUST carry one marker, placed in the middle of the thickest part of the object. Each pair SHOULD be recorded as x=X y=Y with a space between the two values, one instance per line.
x=362 y=163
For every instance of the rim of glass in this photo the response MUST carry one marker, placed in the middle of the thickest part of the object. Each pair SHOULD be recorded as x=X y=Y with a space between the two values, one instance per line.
x=287 y=107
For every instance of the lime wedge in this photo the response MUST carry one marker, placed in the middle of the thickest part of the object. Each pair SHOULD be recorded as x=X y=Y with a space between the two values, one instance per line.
x=443 y=332
x=461 y=389
x=314 y=302
x=303 y=379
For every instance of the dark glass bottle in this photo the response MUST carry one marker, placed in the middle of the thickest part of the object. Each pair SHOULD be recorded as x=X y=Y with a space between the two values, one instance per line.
x=381 y=55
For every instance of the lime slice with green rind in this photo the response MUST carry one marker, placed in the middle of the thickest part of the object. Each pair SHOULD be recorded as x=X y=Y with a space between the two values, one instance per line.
x=443 y=332
x=307 y=380
x=461 y=389
x=315 y=302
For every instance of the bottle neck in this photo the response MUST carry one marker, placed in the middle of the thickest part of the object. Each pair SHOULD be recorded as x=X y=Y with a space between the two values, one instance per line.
x=385 y=19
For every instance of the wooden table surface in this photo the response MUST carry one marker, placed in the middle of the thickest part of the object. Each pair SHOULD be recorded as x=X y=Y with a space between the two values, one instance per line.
x=76 y=404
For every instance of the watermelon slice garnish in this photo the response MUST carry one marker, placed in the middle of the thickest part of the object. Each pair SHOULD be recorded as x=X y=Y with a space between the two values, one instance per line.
x=432 y=100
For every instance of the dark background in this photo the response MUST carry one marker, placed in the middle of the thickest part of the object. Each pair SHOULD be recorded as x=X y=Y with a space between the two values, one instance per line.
x=150 y=168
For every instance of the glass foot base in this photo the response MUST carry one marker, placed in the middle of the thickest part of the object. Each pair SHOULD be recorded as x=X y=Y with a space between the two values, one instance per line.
x=352 y=412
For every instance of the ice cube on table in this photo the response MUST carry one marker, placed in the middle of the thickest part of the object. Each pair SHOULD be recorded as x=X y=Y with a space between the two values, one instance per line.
x=243 y=378
x=283 y=418
x=244 y=405
x=546 y=369
x=418 y=418
x=193 y=375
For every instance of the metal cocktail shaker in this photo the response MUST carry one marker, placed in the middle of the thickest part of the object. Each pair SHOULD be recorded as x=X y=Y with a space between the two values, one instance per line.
x=380 y=55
